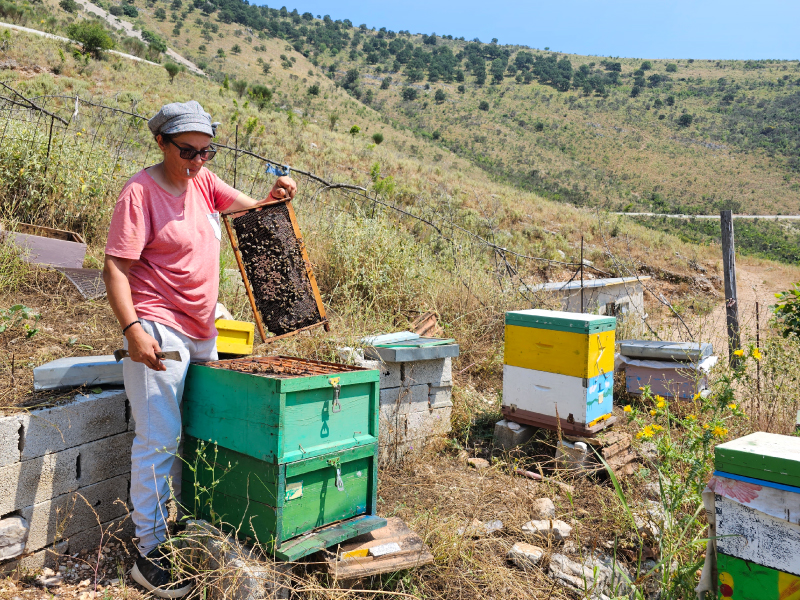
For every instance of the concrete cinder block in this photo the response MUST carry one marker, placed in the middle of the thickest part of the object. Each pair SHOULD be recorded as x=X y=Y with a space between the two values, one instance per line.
x=403 y=400
x=440 y=396
x=90 y=539
x=75 y=371
x=105 y=458
x=390 y=372
x=573 y=457
x=46 y=557
x=32 y=481
x=86 y=419
x=508 y=436
x=438 y=372
x=13 y=535
x=428 y=423
x=9 y=439
x=62 y=517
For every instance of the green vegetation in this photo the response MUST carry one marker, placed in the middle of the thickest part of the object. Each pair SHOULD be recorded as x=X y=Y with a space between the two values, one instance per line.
x=770 y=239
x=92 y=35
x=787 y=311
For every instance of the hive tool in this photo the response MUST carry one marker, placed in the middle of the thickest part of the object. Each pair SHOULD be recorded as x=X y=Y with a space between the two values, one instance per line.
x=172 y=355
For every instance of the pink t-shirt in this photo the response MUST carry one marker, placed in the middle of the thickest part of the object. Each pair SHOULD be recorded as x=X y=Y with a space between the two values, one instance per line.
x=174 y=243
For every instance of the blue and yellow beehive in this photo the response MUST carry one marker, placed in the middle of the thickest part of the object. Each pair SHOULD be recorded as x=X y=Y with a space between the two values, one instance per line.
x=558 y=366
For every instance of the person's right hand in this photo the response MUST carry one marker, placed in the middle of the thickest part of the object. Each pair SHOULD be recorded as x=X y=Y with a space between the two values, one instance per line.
x=142 y=348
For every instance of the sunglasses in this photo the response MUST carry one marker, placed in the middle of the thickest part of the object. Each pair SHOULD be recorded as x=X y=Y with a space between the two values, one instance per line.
x=190 y=153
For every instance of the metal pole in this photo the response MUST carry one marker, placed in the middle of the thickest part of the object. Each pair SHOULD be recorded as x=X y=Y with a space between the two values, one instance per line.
x=49 y=143
x=582 y=275
x=731 y=301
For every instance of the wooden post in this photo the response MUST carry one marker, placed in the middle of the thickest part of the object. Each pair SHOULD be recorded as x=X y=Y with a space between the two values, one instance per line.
x=581 y=274
x=731 y=301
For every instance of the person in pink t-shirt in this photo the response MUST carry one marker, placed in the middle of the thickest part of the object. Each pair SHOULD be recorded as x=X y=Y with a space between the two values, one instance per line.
x=162 y=276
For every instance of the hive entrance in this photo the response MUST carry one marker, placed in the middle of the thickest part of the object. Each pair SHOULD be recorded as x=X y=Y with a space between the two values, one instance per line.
x=281 y=366
x=274 y=260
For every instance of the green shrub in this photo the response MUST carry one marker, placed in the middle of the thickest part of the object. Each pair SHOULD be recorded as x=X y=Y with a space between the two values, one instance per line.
x=672 y=68
x=377 y=138
x=685 y=120
x=172 y=70
x=409 y=93
x=313 y=90
x=92 y=35
x=787 y=311
x=484 y=105
x=69 y=5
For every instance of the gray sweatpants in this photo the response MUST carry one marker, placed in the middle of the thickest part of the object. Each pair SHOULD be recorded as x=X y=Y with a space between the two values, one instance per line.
x=155 y=398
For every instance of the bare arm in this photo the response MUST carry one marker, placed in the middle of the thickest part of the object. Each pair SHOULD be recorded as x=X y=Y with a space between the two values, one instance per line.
x=142 y=347
x=285 y=187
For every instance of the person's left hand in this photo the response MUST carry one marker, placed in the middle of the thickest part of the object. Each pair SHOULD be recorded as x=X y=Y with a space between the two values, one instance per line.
x=285 y=187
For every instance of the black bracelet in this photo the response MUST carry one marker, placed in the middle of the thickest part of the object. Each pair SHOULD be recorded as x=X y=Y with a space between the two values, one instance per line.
x=129 y=325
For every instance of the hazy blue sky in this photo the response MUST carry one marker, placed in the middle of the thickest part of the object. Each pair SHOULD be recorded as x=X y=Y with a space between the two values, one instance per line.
x=734 y=29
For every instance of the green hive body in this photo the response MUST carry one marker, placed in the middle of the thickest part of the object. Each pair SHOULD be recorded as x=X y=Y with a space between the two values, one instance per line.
x=284 y=438
x=766 y=456
x=748 y=581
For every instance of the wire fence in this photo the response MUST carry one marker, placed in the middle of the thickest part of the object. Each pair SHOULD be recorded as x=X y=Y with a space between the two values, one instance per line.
x=84 y=149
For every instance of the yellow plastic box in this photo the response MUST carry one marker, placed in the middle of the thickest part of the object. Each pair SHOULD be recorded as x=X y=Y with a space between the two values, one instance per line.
x=235 y=337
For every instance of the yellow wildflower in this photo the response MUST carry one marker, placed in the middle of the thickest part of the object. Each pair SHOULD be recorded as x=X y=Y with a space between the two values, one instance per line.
x=756 y=354
x=732 y=406
x=652 y=413
x=641 y=389
x=739 y=352
x=659 y=398
x=691 y=417
x=660 y=404
x=78 y=134
x=697 y=396
x=627 y=408
x=645 y=433
x=705 y=426
x=657 y=427
x=21 y=171
x=719 y=431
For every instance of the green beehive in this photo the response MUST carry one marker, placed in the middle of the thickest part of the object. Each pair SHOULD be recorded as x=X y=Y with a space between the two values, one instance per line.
x=765 y=456
x=279 y=409
x=271 y=504
x=288 y=446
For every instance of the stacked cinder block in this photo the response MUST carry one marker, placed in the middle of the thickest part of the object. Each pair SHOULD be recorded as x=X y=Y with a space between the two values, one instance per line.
x=415 y=404
x=64 y=475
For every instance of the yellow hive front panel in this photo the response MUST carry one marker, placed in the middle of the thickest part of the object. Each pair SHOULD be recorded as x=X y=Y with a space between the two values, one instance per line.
x=235 y=337
x=565 y=353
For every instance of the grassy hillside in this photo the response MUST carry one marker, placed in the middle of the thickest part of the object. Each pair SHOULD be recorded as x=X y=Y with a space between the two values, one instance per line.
x=665 y=136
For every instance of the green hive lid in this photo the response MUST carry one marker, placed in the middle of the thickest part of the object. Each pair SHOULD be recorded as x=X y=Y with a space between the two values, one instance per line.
x=766 y=456
x=556 y=320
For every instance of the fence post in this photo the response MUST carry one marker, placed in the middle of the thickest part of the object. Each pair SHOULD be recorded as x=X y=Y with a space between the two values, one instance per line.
x=582 y=275
x=49 y=143
x=731 y=301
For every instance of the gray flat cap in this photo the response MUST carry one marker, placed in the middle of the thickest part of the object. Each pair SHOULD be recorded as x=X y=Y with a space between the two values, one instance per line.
x=180 y=117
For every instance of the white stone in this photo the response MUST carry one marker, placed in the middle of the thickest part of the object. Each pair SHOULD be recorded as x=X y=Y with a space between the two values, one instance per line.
x=478 y=463
x=9 y=440
x=543 y=508
x=547 y=527
x=13 y=535
x=573 y=457
x=525 y=555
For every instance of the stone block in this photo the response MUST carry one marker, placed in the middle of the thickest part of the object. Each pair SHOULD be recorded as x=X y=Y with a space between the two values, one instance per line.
x=508 y=435
x=86 y=419
x=525 y=555
x=241 y=573
x=440 y=396
x=75 y=371
x=9 y=439
x=33 y=481
x=390 y=372
x=13 y=535
x=543 y=508
x=404 y=400
x=62 y=517
x=554 y=528
x=438 y=372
